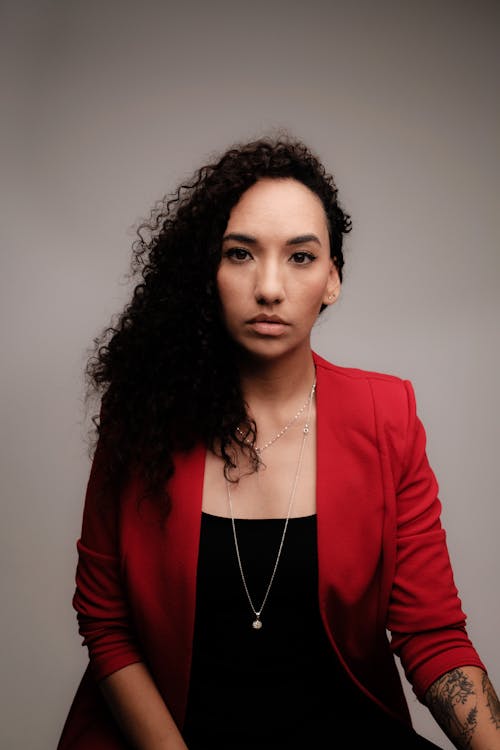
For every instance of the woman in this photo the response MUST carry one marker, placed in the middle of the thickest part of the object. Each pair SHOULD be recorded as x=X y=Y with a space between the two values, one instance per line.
x=258 y=519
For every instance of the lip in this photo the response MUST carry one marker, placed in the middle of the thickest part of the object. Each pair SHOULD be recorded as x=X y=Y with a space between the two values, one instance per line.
x=268 y=325
x=263 y=318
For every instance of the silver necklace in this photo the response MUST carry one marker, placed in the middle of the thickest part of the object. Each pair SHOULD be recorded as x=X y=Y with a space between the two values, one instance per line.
x=282 y=431
x=257 y=622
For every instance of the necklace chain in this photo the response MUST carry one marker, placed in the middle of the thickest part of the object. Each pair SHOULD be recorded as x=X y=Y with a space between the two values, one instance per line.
x=282 y=431
x=257 y=623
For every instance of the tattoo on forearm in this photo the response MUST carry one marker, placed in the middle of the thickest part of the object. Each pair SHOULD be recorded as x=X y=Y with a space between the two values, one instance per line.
x=456 y=702
x=452 y=690
x=492 y=701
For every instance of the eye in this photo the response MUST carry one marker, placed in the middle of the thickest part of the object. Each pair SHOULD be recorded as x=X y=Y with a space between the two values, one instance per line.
x=303 y=258
x=237 y=254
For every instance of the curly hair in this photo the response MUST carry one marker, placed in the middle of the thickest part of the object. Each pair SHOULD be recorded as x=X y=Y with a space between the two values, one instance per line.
x=165 y=371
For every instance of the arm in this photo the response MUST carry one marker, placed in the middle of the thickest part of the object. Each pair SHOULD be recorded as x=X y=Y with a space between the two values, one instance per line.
x=139 y=709
x=426 y=618
x=106 y=624
x=466 y=707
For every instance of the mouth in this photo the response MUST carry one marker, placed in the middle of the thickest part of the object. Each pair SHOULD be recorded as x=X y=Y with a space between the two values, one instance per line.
x=268 y=325
x=262 y=318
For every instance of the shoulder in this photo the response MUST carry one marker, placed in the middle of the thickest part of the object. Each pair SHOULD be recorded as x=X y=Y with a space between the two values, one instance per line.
x=356 y=375
x=388 y=395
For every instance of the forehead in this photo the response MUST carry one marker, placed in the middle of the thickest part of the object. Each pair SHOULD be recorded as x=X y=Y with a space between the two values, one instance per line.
x=273 y=204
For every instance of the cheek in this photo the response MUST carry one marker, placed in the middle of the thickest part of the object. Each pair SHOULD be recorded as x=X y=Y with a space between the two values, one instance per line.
x=229 y=288
x=309 y=293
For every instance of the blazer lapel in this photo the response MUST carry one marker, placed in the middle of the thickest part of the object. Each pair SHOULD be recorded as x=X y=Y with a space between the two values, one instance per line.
x=349 y=496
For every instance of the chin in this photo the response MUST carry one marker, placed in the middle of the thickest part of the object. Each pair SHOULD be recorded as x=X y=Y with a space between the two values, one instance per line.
x=269 y=349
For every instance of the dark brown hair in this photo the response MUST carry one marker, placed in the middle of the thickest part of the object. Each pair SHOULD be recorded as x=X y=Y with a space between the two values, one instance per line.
x=165 y=371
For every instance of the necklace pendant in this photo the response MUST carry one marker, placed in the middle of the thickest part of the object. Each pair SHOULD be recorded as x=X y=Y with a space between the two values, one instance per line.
x=256 y=624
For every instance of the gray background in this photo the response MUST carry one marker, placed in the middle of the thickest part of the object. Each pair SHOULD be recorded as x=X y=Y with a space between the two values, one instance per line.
x=106 y=106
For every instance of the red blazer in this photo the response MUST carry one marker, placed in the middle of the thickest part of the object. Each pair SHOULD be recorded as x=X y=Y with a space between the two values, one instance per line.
x=385 y=581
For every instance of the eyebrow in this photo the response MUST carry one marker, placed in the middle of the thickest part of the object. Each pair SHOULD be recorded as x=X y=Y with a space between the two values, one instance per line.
x=247 y=239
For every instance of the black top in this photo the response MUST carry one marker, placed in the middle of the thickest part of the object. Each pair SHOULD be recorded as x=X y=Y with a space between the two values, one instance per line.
x=280 y=686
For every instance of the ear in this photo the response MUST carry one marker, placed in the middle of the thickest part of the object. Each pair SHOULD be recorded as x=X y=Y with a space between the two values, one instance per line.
x=333 y=285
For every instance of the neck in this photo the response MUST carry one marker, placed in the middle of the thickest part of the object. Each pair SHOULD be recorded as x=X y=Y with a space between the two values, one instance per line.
x=276 y=380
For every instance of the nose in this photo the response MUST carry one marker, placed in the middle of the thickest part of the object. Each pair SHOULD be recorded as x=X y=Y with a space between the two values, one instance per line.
x=269 y=283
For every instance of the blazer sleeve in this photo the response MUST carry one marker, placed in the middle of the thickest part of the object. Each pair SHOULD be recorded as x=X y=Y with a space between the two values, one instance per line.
x=100 y=599
x=426 y=619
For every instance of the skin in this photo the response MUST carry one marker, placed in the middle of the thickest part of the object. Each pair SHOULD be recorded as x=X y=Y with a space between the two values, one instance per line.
x=265 y=268
x=274 y=277
x=268 y=275
x=466 y=707
x=271 y=276
x=275 y=261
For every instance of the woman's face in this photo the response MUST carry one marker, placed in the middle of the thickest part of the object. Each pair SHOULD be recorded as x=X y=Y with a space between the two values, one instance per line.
x=275 y=270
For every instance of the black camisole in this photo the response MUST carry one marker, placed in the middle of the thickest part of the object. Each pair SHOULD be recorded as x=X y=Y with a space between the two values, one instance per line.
x=281 y=686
